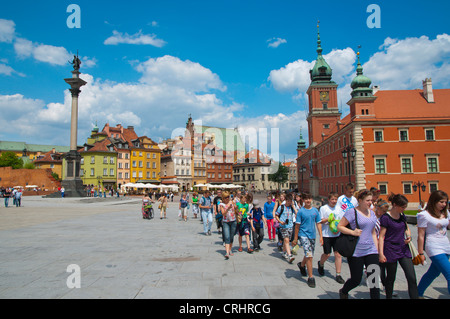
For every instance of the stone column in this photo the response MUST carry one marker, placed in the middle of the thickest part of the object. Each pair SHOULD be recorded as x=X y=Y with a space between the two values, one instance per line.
x=72 y=182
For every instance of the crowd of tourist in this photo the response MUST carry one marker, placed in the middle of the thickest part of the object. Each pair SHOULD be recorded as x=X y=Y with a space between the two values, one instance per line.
x=291 y=220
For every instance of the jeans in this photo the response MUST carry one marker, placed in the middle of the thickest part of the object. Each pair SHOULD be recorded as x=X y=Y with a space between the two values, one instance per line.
x=356 y=265
x=228 y=231
x=207 y=220
x=410 y=274
x=6 y=201
x=258 y=235
x=439 y=264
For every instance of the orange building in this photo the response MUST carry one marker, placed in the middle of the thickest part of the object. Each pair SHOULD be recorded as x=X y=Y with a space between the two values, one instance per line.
x=396 y=140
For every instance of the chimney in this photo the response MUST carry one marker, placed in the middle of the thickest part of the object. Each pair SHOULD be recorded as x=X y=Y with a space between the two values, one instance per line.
x=428 y=90
x=375 y=89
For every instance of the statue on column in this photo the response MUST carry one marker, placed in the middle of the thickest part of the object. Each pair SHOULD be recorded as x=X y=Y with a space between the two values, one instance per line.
x=76 y=62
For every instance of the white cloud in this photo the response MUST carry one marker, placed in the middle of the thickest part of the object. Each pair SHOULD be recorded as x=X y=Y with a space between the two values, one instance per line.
x=275 y=42
x=7 y=30
x=175 y=72
x=404 y=64
x=138 y=38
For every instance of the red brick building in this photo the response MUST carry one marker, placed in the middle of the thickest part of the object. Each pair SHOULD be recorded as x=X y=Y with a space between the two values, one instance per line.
x=394 y=140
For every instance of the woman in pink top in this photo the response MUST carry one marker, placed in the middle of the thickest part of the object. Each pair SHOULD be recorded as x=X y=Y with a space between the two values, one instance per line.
x=228 y=210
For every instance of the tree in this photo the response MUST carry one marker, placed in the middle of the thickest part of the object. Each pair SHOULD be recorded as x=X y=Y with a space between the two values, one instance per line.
x=280 y=176
x=10 y=159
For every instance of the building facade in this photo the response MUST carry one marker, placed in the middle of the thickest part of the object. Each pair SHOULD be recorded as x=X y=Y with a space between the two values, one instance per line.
x=393 y=140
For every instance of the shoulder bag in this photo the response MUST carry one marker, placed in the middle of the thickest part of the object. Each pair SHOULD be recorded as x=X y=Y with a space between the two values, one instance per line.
x=346 y=244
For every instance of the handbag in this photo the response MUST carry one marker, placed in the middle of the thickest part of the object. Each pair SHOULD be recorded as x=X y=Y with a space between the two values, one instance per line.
x=414 y=252
x=346 y=244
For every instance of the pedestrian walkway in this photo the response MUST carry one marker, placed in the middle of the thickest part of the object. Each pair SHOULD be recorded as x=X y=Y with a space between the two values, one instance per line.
x=121 y=255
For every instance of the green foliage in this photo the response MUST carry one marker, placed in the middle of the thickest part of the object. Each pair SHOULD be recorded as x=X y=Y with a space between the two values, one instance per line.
x=56 y=176
x=10 y=159
x=29 y=165
x=280 y=176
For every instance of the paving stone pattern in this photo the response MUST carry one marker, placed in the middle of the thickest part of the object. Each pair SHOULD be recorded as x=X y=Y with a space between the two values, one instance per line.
x=121 y=255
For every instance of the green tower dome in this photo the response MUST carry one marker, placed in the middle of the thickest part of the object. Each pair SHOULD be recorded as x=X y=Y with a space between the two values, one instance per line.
x=95 y=129
x=301 y=144
x=321 y=72
x=361 y=83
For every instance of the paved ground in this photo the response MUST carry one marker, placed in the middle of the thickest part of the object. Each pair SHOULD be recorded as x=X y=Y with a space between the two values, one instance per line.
x=120 y=255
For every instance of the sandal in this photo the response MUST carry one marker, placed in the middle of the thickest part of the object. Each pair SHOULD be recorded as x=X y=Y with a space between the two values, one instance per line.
x=240 y=249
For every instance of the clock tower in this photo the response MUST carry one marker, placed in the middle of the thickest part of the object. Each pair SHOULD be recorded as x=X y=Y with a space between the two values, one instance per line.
x=323 y=112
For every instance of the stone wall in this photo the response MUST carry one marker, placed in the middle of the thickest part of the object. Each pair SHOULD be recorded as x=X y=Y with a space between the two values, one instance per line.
x=22 y=177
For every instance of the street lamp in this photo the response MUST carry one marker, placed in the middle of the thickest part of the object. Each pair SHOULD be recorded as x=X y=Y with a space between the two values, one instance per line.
x=421 y=186
x=346 y=153
x=302 y=169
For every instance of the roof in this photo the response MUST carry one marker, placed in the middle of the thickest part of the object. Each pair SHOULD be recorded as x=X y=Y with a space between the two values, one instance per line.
x=20 y=146
x=227 y=139
x=100 y=146
x=48 y=158
x=411 y=104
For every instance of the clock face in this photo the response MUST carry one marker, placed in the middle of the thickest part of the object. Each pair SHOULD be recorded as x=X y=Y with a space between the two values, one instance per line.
x=324 y=96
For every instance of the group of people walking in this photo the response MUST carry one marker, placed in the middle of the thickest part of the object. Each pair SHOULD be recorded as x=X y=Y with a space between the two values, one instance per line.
x=16 y=194
x=384 y=237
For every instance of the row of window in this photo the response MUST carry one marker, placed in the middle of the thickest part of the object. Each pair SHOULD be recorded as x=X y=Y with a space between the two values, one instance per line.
x=407 y=187
x=406 y=163
x=134 y=164
x=140 y=154
x=403 y=134
x=219 y=175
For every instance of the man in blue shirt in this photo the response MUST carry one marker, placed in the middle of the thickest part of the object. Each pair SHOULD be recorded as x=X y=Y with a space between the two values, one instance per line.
x=206 y=206
x=308 y=218
x=268 y=215
x=285 y=216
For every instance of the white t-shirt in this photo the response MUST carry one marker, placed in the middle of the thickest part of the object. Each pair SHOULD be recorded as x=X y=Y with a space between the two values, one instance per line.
x=436 y=241
x=325 y=211
x=345 y=203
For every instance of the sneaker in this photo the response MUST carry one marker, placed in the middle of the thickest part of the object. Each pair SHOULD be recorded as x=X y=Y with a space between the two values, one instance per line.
x=302 y=269
x=290 y=259
x=240 y=249
x=209 y=233
x=320 y=269
x=339 y=279
x=249 y=250
x=227 y=257
x=312 y=282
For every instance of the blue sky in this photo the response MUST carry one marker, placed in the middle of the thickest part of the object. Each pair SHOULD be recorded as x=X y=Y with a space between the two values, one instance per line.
x=228 y=63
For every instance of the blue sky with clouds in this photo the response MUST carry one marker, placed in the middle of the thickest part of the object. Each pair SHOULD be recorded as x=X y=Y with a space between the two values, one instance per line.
x=228 y=63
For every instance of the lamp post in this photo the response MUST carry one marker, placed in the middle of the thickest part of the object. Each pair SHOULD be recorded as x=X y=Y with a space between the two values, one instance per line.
x=420 y=186
x=346 y=153
x=302 y=169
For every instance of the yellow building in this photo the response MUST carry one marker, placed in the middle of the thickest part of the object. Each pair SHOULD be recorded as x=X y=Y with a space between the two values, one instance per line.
x=145 y=161
x=51 y=160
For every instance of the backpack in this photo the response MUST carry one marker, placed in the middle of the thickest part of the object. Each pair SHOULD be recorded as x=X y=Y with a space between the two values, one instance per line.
x=257 y=215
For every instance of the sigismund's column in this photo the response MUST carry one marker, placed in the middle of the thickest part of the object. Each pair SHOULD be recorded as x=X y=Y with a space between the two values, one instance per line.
x=72 y=182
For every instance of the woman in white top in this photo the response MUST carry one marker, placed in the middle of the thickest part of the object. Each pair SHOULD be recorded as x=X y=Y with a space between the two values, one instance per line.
x=433 y=223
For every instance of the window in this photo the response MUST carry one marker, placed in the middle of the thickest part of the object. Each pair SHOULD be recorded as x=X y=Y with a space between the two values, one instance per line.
x=92 y=172
x=407 y=188
x=82 y=161
x=380 y=166
x=383 y=188
x=134 y=163
x=432 y=186
x=111 y=172
x=92 y=159
x=378 y=136
x=326 y=126
x=325 y=106
x=406 y=164
x=429 y=134
x=105 y=171
x=432 y=164
x=111 y=160
x=105 y=159
x=403 y=135
x=140 y=174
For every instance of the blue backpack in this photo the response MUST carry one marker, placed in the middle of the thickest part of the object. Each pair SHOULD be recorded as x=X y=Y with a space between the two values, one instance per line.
x=257 y=214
